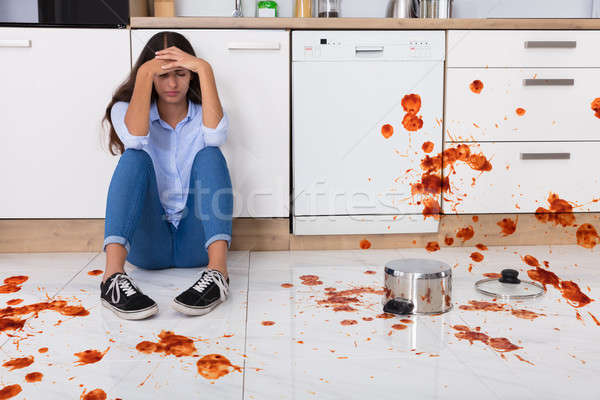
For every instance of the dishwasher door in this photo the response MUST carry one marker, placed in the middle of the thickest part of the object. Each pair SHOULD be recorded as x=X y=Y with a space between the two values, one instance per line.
x=348 y=177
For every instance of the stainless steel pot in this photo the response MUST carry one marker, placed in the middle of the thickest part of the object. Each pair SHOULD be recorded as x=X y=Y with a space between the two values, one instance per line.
x=434 y=8
x=402 y=9
x=417 y=286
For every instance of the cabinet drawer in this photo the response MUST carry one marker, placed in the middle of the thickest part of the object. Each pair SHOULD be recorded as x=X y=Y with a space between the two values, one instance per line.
x=523 y=48
x=557 y=103
x=523 y=175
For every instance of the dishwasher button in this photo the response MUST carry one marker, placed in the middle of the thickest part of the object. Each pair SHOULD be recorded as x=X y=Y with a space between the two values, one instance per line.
x=308 y=51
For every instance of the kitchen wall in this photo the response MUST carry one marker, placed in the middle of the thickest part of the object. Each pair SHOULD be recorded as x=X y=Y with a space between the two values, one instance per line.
x=377 y=8
x=19 y=10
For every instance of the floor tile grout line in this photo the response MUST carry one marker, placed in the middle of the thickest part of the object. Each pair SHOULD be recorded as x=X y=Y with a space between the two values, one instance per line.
x=59 y=290
x=246 y=326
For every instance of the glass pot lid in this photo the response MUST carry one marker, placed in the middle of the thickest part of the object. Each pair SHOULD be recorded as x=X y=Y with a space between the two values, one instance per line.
x=509 y=286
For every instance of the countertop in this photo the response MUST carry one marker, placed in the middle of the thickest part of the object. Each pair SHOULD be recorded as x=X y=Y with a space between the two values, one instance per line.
x=362 y=23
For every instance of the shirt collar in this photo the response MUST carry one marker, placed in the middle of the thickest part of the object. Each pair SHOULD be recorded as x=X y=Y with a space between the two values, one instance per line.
x=155 y=116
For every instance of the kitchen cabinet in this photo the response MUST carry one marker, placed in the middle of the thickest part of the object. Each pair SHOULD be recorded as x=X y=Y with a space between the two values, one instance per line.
x=523 y=176
x=57 y=83
x=556 y=103
x=251 y=70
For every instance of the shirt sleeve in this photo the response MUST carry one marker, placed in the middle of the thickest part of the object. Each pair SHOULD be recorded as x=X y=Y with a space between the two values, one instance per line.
x=117 y=116
x=216 y=136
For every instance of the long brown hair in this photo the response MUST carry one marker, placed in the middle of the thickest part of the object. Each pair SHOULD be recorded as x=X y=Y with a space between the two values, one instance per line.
x=159 y=41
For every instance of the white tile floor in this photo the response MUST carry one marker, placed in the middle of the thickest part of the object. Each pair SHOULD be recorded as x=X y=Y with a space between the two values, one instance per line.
x=306 y=353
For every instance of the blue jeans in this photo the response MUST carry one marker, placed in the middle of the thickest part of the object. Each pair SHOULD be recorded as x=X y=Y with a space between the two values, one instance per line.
x=136 y=218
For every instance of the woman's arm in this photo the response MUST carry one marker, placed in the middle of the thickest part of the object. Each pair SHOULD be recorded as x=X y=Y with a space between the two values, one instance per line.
x=138 y=113
x=212 y=111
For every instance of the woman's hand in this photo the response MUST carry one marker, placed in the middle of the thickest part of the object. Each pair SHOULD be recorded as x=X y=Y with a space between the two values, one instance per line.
x=179 y=58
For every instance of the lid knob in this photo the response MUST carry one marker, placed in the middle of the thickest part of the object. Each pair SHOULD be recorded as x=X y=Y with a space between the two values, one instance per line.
x=510 y=276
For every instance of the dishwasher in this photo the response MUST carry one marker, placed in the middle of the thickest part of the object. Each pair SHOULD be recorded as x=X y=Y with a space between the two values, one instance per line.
x=353 y=159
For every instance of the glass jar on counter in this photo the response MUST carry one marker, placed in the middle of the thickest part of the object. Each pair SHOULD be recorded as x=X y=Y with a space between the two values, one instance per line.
x=329 y=8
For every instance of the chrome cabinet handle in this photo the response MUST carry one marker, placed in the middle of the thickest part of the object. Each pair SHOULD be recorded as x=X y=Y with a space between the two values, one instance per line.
x=545 y=156
x=548 y=82
x=369 y=49
x=550 y=44
x=253 y=45
x=15 y=43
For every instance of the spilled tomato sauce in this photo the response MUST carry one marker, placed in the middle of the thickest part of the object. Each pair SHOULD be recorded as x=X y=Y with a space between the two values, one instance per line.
x=169 y=344
x=560 y=212
x=310 y=280
x=399 y=327
x=431 y=208
x=448 y=240
x=14 y=302
x=347 y=322
x=432 y=246
x=215 y=366
x=477 y=256
x=498 y=344
x=520 y=111
x=596 y=106
x=10 y=391
x=268 y=323
x=569 y=289
x=286 y=285
x=89 y=356
x=43 y=350
x=524 y=360
x=34 y=377
x=475 y=305
x=387 y=131
x=412 y=123
x=544 y=277
x=364 y=244
x=493 y=275
x=411 y=103
x=13 y=284
x=95 y=272
x=587 y=236
x=476 y=86
x=427 y=147
x=96 y=394
x=466 y=233
x=525 y=314
x=475 y=218
x=8 y=314
x=18 y=363
x=481 y=246
x=531 y=260
x=370 y=272
x=594 y=318
x=508 y=226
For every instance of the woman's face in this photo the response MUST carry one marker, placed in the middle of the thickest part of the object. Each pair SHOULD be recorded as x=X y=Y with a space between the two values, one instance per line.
x=172 y=86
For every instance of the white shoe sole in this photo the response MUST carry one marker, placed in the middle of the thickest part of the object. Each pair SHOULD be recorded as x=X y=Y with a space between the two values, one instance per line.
x=194 y=310
x=132 y=315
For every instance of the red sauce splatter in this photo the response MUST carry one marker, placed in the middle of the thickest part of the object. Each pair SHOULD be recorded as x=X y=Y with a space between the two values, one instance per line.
x=524 y=360
x=342 y=300
x=412 y=122
x=364 y=244
x=310 y=280
x=169 y=344
x=476 y=86
x=430 y=184
x=520 y=111
x=475 y=218
x=411 y=103
x=95 y=272
x=387 y=131
x=385 y=316
x=508 y=226
x=215 y=366
x=560 y=211
x=34 y=377
x=481 y=246
x=96 y=394
x=347 y=322
x=470 y=267
x=499 y=344
x=432 y=246
x=475 y=305
x=575 y=297
x=268 y=323
x=8 y=314
x=428 y=147
x=465 y=233
x=493 y=275
x=531 y=260
x=286 y=285
x=14 y=302
x=448 y=240
x=594 y=318
x=544 y=277
x=367 y=318
x=596 y=106
x=18 y=363
x=399 y=327
x=370 y=272
x=431 y=208
x=525 y=314
x=90 y=356
x=476 y=256
x=587 y=236
x=43 y=350
x=12 y=284
x=9 y=392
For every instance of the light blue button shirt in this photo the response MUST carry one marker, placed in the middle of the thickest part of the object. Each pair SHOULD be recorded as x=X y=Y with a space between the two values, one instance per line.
x=172 y=150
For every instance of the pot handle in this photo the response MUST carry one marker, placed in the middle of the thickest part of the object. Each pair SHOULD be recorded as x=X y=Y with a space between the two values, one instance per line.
x=399 y=306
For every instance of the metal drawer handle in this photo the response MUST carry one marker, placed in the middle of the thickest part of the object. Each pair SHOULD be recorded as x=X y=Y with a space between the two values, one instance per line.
x=369 y=49
x=253 y=46
x=15 y=43
x=545 y=156
x=548 y=82
x=550 y=44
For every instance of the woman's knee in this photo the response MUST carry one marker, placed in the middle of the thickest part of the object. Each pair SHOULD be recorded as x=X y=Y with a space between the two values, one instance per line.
x=209 y=154
x=136 y=157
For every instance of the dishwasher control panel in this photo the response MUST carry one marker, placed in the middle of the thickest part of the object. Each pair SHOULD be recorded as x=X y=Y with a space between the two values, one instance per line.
x=356 y=45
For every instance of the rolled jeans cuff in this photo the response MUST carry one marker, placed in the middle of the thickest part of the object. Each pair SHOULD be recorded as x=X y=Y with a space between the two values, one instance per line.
x=116 y=239
x=219 y=236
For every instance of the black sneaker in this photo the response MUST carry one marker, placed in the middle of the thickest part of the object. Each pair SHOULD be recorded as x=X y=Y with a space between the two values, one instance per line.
x=203 y=296
x=120 y=295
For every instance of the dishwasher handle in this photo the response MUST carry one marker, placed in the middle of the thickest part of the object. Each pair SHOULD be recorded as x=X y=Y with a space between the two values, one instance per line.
x=368 y=50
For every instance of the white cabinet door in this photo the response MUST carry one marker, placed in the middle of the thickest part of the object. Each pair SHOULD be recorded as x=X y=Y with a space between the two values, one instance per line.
x=523 y=176
x=56 y=84
x=251 y=69
x=556 y=104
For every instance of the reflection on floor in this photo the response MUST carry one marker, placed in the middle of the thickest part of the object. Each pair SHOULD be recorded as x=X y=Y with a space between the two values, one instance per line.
x=283 y=335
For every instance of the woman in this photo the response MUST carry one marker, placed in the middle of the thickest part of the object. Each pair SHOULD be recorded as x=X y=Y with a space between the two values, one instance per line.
x=170 y=200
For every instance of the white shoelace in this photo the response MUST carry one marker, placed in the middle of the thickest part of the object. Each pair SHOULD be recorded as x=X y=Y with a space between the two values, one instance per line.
x=125 y=283
x=210 y=276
